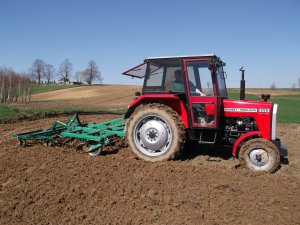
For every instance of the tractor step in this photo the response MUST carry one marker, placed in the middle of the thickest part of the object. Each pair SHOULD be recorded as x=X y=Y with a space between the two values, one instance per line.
x=93 y=136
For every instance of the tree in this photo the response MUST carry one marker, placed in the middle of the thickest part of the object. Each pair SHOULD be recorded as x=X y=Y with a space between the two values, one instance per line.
x=79 y=76
x=13 y=85
x=299 y=82
x=273 y=86
x=92 y=72
x=37 y=70
x=208 y=85
x=65 y=70
x=293 y=85
x=49 y=72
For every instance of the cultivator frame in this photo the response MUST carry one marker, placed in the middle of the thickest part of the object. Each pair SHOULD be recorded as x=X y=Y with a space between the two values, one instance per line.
x=91 y=135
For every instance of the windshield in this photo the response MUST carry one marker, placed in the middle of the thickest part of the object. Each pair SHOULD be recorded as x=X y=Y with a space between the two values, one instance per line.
x=137 y=71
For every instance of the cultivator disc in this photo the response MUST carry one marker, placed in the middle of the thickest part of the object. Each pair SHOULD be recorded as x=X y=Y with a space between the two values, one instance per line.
x=74 y=134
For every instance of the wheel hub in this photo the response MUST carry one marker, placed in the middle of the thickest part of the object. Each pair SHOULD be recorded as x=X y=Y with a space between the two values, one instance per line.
x=259 y=157
x=153 y=135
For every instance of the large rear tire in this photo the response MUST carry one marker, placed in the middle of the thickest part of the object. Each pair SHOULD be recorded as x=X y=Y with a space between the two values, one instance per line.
x=155 y=133
x=260 y=155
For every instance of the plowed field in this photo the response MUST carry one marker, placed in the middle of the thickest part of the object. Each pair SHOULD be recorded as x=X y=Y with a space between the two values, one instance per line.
x=51 y=185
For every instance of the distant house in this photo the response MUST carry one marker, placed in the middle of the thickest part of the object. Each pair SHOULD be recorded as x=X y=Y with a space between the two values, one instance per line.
x=63 y=81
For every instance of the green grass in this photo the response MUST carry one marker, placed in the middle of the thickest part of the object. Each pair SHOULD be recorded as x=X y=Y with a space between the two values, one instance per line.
x=10 y=113
x=51 y=87
x=288 y=108
x=7 y=113
x=235 y=95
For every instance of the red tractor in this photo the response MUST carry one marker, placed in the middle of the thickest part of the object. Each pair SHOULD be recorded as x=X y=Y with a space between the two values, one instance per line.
x=185 y=98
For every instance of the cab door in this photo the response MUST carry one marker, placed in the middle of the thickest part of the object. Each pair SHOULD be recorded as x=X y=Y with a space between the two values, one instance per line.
x=201 y=92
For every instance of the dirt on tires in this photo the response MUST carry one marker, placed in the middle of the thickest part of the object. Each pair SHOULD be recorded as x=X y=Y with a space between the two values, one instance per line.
x=52 y=185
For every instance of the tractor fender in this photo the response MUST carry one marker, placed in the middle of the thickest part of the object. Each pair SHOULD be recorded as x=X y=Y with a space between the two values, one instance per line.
x=171 y=100
x=242 y=138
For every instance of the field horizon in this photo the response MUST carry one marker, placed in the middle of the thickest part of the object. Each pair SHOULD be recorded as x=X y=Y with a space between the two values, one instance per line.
x=64 y=99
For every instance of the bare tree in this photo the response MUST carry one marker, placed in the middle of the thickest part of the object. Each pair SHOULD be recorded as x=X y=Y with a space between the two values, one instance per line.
x=92 y=72
x=8 y=77
x=208 y=85
x=13 y=85
x=49 y=72
x=79 y=76
x=293 y=85
x=9 y=96
x=2 y=87
x=273 y=86
x=26 y=87
x=65 y=70
x=37 y=70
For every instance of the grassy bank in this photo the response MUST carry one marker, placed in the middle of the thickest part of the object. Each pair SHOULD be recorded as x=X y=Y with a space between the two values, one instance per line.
x=51 y=87
x=12 y=113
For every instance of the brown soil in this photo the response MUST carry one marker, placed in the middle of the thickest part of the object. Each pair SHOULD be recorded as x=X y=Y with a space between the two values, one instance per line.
x=91 y=97
x=40 y=185
x=83 y=92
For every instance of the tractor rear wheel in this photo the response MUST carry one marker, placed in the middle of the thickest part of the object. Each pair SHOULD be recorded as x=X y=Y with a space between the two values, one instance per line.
x=155 y=133
x=260 y=155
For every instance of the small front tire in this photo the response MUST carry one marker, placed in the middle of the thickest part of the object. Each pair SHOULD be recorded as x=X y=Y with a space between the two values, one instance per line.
x=260 y=155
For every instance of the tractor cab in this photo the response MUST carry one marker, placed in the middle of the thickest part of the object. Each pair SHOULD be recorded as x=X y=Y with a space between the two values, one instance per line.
x=197 y=80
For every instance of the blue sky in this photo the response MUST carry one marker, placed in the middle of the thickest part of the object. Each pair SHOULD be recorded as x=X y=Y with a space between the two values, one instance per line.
x=262 y=36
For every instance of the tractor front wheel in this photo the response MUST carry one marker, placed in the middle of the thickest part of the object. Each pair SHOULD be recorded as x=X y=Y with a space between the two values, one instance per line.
x=260 y=155
x=155 y=133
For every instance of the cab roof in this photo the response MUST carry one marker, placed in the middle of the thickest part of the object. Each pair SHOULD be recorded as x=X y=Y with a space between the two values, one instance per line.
x=182 y=56
x=139 y=71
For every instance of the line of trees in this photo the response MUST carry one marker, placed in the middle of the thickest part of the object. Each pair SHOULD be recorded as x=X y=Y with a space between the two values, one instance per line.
x=40 y=71
x=14 y=86
x=294 y=84
x=90 y=74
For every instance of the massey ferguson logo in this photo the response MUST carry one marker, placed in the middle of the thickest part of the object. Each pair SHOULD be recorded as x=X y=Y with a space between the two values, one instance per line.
x=240 y=109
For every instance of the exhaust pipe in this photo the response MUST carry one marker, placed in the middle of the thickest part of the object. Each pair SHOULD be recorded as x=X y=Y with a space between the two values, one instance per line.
x=242 y=88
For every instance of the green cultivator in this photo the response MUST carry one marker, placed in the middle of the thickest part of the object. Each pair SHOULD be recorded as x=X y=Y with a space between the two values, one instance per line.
x=92 y=137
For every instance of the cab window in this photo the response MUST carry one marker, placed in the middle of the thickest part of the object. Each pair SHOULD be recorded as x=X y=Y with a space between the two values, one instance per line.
x=160 y=76
x=221 y=82
x=200 y=79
